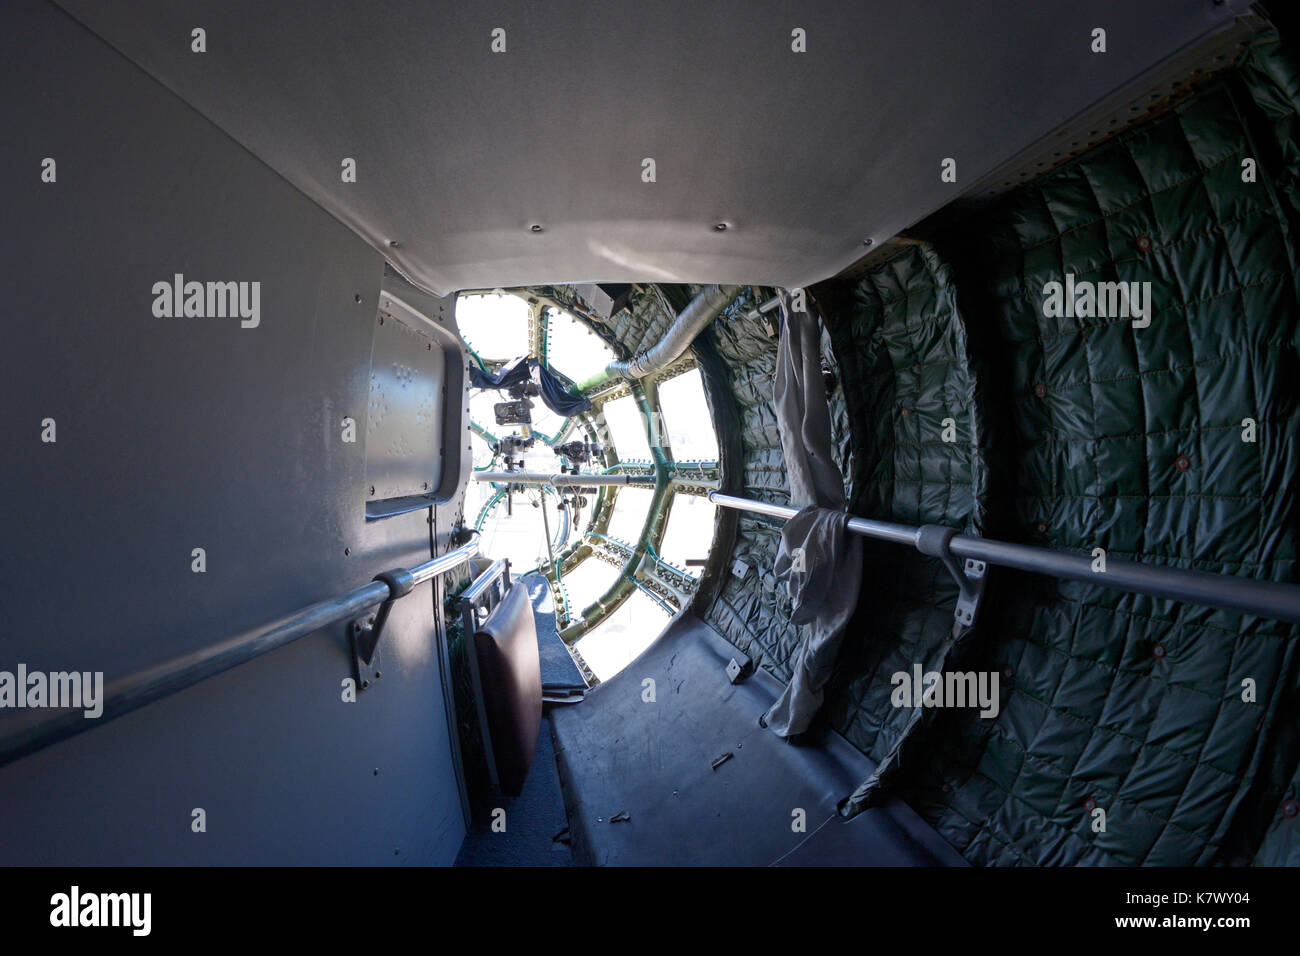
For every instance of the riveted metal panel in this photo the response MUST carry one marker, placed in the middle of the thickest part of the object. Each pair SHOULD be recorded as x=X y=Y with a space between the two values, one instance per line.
x=405 y=416
x=185 y=432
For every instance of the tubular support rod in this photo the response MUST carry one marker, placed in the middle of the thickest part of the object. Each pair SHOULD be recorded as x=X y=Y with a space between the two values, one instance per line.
x=474 y=593
x=884 y=530
x=489 y=590
x=34 y=730
x=1268 y=599
x=763 y=309
x=561 y=480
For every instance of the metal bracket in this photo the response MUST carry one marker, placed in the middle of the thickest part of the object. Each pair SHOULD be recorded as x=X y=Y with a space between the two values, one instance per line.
x=365 y=632
x=936 y=541
x=366 y=672
x=739 y=667
x=476 y=603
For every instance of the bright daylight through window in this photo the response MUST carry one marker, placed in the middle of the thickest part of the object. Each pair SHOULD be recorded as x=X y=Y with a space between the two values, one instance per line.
x=619 y=560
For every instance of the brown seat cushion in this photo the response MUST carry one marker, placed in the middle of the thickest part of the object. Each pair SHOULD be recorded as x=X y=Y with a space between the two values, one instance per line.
x=511 y=675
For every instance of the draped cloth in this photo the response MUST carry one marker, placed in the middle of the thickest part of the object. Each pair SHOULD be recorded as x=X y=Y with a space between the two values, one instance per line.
x=819 y=558
x=557 y=398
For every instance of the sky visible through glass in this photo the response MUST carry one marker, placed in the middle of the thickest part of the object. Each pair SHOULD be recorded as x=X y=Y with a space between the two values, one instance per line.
x=496 y=327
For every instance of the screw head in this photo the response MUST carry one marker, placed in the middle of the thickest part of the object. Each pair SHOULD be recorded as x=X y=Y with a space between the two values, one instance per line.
x=346 y=552
x=536 y=227
x=720 y=227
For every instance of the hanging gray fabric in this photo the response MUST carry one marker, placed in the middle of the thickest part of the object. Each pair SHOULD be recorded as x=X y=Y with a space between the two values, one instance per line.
x=819 y=558
x=803 y=414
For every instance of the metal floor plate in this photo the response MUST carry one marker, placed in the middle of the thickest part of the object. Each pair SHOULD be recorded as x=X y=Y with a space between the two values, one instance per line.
x=644 y=782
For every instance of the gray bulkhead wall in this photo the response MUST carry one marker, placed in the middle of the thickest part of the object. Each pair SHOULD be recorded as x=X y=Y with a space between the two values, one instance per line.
x=181 y=433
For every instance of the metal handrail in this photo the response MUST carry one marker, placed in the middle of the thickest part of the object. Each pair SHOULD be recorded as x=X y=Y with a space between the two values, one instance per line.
x=562 y=480
x=474 y=593
x=489 y=589
x=20 y=736
x=1268 y=599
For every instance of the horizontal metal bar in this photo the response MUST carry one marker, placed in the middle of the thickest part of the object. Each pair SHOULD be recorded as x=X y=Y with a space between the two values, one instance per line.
x=884 y=530
x=34 y=730
x=474 y=593
x=1269 y=599
x=446 y=562
x=763 y=309
x=560 y=480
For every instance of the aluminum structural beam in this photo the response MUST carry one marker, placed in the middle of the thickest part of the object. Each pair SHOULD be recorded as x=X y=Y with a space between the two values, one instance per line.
x=1269 y=599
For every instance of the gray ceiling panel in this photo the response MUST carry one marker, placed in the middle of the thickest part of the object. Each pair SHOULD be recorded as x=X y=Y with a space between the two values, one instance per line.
x=461 y=151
